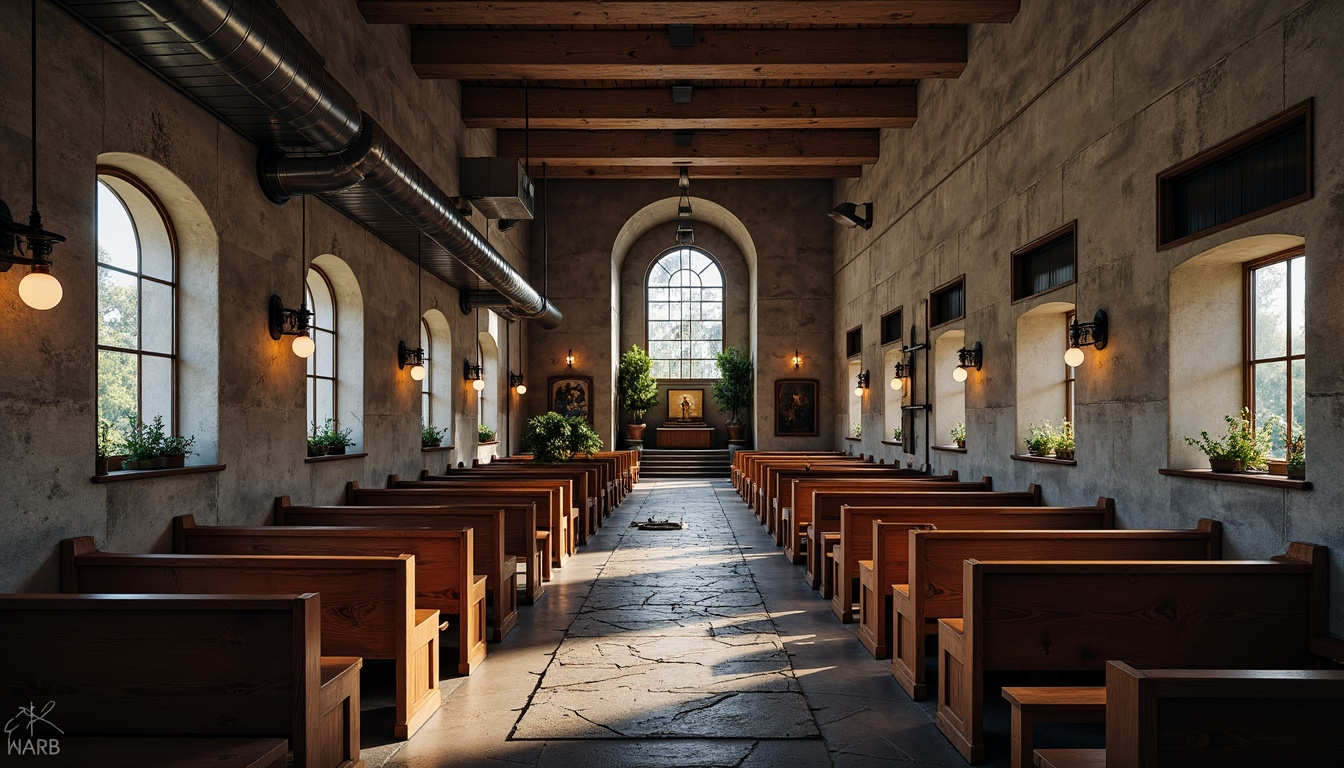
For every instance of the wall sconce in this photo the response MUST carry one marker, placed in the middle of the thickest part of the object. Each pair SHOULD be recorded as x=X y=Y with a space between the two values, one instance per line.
x=968 y=357
x=797 y=358
x=1086 y=334
x=863 y=384
x=847 y=215
x=900 y=372
x=516 y=381
x=38 y=288
x=473 y=374
x=282 y=321
x=412 y=356
x=569 y=359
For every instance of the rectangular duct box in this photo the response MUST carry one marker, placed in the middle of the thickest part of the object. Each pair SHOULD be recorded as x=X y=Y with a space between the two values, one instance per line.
x=499 y=187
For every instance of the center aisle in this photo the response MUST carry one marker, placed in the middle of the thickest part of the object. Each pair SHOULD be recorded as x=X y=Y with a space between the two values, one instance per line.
x=699 y=647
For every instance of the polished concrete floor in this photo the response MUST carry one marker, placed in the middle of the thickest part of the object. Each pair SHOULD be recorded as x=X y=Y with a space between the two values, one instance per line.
x=699 y=647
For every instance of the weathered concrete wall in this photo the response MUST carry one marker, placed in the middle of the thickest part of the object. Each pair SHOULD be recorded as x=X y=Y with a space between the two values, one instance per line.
x=784 y=237
x=1069 y=113
x=97 y=100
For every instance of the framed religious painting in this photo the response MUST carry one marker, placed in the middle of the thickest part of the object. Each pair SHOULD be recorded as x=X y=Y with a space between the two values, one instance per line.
x=685 y=404
x=571 y=396
x=795 y=407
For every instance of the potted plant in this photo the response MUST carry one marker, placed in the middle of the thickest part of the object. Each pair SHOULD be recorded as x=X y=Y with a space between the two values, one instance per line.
x=1242 y=447
x=552 y=438
x=1042 y=440
x=430 y=437
x=856 y=429
x=484 y=434
x=156 y=435
x=958 y=433
x=1297 y=455
x=732 y=391
x=141 y=447
x=176 y=448
x=636 y=389
x=329 y=440
x=1064 y=443
x=897 y=436
x=109 y=445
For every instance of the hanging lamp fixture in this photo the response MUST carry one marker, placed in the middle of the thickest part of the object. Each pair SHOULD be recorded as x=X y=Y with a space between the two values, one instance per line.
x=685 y=232
x=283 y=321
x=415 y=356
x=38 y=289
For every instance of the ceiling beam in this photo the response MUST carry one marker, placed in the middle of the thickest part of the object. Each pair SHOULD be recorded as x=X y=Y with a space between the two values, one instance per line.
x=699 y=172
x=724 y=108
x=718 y=54
x=748 y=148
x=609 y=12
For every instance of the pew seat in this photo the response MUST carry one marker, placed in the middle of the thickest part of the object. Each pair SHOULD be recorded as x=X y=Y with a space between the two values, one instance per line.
x=1049 y=704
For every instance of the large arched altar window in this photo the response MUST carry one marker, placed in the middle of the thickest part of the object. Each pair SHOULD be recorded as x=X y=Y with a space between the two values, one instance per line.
x=685 y=314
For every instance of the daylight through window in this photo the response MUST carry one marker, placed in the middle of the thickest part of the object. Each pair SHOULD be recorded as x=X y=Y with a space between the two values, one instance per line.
x=685 y=314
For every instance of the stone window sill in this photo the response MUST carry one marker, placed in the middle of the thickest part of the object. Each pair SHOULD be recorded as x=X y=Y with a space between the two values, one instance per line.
x=1273 y=481
x=489 y=442
x=1043 y=459
x=948 y=448
x=854 y=439
x=146 y=474
x=436 y=448
x=897 y=443
x=316 y=459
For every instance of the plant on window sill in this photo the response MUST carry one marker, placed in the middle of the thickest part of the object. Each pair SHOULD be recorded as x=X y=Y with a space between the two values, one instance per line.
x=329 y=440
x=1242 y=447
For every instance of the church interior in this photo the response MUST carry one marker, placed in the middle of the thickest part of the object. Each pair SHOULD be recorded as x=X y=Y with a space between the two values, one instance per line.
x=703 y=383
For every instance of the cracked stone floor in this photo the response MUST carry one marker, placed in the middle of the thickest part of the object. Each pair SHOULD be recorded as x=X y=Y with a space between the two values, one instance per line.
x=699 y=647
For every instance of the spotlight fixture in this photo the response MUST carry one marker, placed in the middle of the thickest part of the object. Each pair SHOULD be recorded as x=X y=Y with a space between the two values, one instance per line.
x=1081 y=335
x=847 y=215
x=516 y=381
x=473 y=374
x=282 y=321
x=797 y=358
x=968 y=357
x=685 y=232
x=862 y=385
x=900 y=372
x=412 y=356
x=569 y=359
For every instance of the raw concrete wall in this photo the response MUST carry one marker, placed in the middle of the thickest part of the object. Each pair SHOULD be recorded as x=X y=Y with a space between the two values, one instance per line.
x=1069 y=113
x=97 y=100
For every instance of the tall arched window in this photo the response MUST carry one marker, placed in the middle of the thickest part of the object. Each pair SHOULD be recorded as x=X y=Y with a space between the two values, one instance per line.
x=426 y=384
x=685 y=314
x=322 y=364
x=137 y=306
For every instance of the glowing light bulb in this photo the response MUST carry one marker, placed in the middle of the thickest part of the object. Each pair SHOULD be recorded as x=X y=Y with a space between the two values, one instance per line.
x=521 y=389
x=858 y=391
x=418 y=372
x=39 y=289
x=304 y=346
x=958 y=374
x=478 y=385
x=896 y=383
x=1073 y=357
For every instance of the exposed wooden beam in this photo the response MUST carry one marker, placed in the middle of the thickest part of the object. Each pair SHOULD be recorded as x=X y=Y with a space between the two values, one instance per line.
x=770 y=12
x=752 y=148
x=718 y=54
x=700 y=172
x=725 y=108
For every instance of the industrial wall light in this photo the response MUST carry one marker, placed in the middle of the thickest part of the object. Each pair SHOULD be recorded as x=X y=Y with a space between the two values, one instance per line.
x=1086 y=334
x=862 y=385
x=847 y=215
x=516 y=381
x=569 y=359
x=797 y=358
x=900 y=372
x=473 y=374
x=968 y=357
x=412 y=356
x=282 y=321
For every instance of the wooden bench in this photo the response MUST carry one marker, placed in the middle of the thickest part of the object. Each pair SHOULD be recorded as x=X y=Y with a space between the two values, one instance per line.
x=444 y=579
x=933 y=590
x=787 y=486
x=1049 y=704
x=744 y=462
x=613 y=471
x=175 y=665
x=490 y=559
x=368 y=604
x=1228 y=718
x=768 y=488
x=583 y=479
x=891 y=549
x=755 y=484
x=1070 y=616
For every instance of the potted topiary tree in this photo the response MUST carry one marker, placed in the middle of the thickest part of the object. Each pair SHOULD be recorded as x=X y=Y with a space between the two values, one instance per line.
x=732 y=391
x=552 y=438
x=636 y=388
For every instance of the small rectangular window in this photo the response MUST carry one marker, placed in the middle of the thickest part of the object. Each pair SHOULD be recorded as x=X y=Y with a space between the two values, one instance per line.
x=1046 y=263
x=891 y=326
x=948 y=302
x=1275 y=344
x=1257 y=172
x=854 y=341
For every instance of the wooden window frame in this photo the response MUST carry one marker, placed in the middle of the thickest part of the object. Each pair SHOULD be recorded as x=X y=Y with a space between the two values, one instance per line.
x=1070 y=373
x=310 y=379
x=426 y=388
x=1167 y=178
x=854 y=341
x=957 y=282
x=1020 y=255
x=1248 y=359
x=900 y=332
x=723 y=310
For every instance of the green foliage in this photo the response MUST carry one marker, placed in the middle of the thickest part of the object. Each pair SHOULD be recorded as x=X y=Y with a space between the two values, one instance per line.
x=553 y=438
x=1242 y=442
x=1064 y=437
x=958 y=432
x=177 y=445
x=118 y=318
x=430 y=436
x=1297 y=448
x=897 y=435
x=145 y=441
x=109 y=439
x=484 y=433
x=1042 y=440
x=856 y=429
x=733 y=389
x=328 y=439
x=635 y=387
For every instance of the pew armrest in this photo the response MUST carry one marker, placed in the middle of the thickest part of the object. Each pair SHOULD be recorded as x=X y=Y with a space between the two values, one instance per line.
x=338 y=716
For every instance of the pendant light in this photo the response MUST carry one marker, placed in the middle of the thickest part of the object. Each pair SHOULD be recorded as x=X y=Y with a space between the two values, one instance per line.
x=415 y=356
x=283 y=321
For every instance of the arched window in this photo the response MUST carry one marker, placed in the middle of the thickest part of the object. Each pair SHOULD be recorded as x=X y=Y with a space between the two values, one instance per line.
x=685 y=314
x=137 y=306
x=427 y=383
x=322 y=371
x=436 y=392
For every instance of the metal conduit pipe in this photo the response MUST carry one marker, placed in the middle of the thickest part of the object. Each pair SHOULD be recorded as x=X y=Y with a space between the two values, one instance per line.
x=260 y=53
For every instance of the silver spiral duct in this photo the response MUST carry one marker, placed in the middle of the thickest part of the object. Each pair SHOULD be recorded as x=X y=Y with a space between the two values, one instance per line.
x=264 y=56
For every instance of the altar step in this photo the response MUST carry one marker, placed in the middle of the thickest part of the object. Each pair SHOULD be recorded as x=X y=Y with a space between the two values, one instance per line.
x=654 y=462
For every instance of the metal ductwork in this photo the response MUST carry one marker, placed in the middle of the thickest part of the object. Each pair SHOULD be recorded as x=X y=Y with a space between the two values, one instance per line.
x=263 y=55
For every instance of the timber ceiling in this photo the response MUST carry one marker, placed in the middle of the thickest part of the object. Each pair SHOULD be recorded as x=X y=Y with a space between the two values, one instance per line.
x=778 y=88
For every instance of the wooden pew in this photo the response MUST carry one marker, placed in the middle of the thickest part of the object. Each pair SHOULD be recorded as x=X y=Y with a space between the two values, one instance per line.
x=490 y=559
x=754 y=480
x=368 y=604
x=891 y=549
x=606 y=486
x=798 y=500
x=934 y=589
x=1037 y=616
x=1228 y=718
x=767 y=503
x=784 y=485
x=444 y=579
x=98 y=656
x=584 y=479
